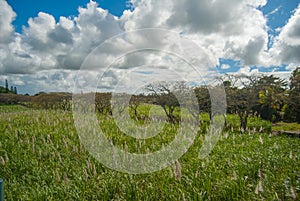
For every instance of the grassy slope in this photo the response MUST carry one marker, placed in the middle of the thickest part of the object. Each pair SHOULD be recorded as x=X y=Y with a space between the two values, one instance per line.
x=41 y=158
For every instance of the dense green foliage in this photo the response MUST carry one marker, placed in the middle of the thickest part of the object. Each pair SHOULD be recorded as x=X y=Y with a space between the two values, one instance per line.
x=293 y=107
x=41 y=158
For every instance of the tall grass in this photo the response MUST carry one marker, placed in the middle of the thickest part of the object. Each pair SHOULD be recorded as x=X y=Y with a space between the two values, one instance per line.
x=41 y=158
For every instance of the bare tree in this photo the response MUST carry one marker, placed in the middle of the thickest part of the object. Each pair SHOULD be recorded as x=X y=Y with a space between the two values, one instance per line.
x=163 y=96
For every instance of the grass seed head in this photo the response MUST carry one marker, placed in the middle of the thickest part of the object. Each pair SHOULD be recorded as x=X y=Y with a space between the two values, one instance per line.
x=177 y=172
x=196 y=174
x=170 y=172
x=57 y=175
x=2 y=161
x=261 y=140
x=293 y=193
x=259 y=188
x=95 y=170
x=291 y=155
x=259 y=174
x=66 y=178
x=6 y=158
x=234 y=176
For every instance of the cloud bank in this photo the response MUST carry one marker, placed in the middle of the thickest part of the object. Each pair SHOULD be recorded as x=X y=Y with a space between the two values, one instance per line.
x=231 y=29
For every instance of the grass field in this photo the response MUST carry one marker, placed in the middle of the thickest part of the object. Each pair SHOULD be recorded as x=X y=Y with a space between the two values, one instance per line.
x=286 y=126
x=41 y=158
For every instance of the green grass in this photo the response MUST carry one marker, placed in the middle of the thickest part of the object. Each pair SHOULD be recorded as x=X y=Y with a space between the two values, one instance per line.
x=41 y=158
x=286 y=126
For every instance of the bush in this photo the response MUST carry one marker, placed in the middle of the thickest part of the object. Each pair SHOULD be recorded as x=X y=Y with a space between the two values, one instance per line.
x=259 y=124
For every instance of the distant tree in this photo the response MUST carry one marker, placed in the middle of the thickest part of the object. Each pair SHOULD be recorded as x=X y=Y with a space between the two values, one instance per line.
x=11 y=88
x=6 y=86
x=134 y=103
x=240 y=96
x=293 y=104
x=271 y=97
x=203 y=98
x=241 y=102
x=52 y=101
x=15 y=90
x=103 y=103
x=163 y=96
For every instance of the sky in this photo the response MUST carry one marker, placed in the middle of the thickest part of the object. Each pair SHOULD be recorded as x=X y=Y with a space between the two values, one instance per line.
x=44 y=44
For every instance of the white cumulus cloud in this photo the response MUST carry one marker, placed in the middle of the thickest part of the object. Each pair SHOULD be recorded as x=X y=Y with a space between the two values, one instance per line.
x=231 y=29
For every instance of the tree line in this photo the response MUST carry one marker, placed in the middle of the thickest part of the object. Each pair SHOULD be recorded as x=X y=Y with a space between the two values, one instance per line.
x=266 y=96
x=7 y=90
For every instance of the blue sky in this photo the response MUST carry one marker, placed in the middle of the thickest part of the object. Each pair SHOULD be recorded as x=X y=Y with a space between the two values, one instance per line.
x=43 y=43
x=57 y=8
x=278 y=12
x=282 y=9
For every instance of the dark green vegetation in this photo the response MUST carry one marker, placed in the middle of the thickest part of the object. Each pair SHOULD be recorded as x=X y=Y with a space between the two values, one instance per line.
x=41 y=158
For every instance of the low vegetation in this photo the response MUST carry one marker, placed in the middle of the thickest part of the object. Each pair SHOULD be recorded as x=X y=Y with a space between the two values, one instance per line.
x=41 y=158
x=283 y=126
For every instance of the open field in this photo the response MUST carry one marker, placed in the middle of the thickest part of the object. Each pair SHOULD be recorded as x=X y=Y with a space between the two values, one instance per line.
x=41 y=158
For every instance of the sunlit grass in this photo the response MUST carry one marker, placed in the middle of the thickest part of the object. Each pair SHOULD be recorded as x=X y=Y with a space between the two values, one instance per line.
x=41 y=158
x=286 y=126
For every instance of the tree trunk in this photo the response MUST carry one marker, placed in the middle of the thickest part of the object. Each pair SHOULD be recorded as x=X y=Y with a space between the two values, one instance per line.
x=243 y=120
